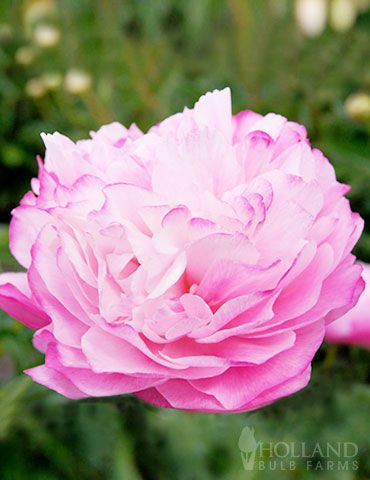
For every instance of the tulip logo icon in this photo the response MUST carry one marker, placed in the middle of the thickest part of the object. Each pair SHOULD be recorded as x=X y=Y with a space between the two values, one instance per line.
x=248 y=447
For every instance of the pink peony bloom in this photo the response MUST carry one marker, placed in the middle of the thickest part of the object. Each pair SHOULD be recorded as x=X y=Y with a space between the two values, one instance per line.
x=354 y=326
x=194 y=266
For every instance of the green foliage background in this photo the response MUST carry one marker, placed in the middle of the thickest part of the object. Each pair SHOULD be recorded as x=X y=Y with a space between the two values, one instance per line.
x=147 y=59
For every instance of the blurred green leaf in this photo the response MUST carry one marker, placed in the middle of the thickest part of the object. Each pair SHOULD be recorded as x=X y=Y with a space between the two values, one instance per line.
x=10 y=398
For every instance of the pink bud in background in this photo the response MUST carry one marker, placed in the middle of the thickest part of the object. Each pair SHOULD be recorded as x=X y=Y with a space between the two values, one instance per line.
x=354 y=326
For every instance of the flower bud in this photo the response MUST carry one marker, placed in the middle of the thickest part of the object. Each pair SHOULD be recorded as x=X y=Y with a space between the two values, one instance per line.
x=25 y=55
x=343 y=15
x=35 y=88
x=46 y=36
x=77 y=81
x=37 y=10
x=357 y=106
x=311 y=16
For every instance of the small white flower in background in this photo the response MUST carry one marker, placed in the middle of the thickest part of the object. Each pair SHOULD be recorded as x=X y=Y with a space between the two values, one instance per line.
x=343 y=14
x=46 y=35
x=77 y=81
x=357 y=106
x=38 y=10
x=311 y=16
x=52 y=80
x=25 y=55
x=35 y=88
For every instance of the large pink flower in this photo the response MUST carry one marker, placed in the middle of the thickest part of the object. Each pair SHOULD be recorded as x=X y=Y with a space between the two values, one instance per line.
x=354 y=326
x=194 y=266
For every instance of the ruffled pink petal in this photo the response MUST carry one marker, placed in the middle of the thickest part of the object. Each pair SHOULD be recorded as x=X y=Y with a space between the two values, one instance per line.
x=26 y=223
x=239 y=386
x=16 y=299
x=55 y=380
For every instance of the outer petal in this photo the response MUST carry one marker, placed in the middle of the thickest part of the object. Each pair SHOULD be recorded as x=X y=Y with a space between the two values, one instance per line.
x=55 y=381
x=16 y=299
x=25 y=226
x=239 y=386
